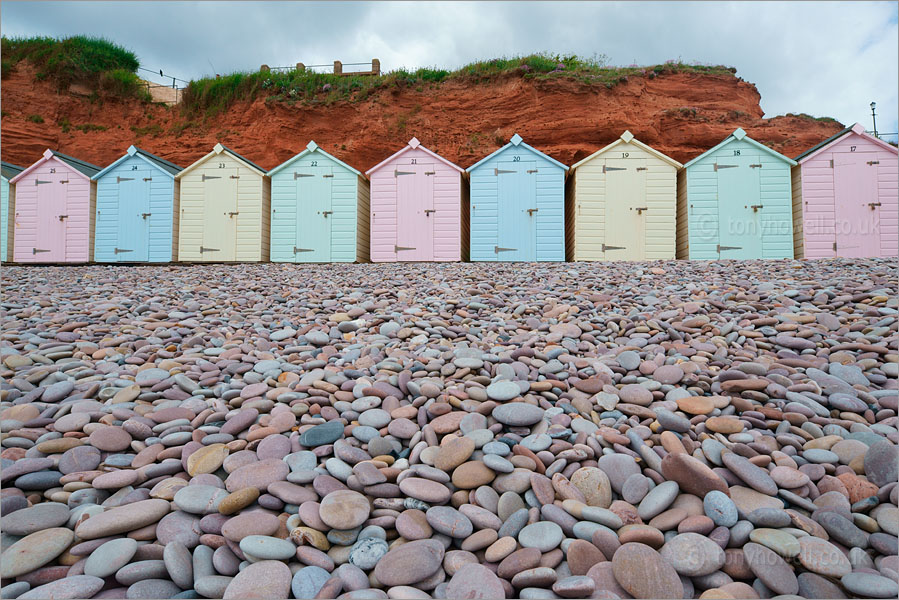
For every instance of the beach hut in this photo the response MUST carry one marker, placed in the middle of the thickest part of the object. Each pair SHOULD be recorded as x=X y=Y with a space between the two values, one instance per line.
x=416 y=207
x=734 y=201
x=54 y=207
x=320 y=210
x=845 y=197
x=7 y=205
x=137 y=203
x=622 y=203
x=225 y=209
x=517 y=205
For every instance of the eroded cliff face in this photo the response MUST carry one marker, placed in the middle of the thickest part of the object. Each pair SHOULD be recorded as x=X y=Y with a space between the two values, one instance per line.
x=681 y=114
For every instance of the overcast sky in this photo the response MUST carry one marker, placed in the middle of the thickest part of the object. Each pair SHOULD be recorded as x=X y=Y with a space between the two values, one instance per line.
x=822 y=58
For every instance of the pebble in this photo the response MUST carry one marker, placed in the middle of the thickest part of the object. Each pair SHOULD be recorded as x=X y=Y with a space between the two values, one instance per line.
x=561 y=431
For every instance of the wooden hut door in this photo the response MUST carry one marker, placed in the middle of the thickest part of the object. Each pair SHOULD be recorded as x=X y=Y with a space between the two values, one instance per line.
x=517 y=192
x=52 y=216
x=314 y=215
x=415 y=212
x=856 y=210
x=134 y=216
x=220 y=212
x=625 y=209
x=740 y=207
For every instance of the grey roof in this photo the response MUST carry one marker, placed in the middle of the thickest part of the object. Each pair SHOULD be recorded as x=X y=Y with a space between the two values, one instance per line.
x=85 y=167
x=824 y=143
x=10 y=170
x=161 y=162
x=244 y=158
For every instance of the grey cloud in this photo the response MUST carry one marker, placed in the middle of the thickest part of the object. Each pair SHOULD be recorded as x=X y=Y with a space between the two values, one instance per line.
x=824 y=58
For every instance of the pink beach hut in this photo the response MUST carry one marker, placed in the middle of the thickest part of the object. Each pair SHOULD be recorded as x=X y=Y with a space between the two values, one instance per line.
x=416 y=207
x=846 y=198
x=55 y=200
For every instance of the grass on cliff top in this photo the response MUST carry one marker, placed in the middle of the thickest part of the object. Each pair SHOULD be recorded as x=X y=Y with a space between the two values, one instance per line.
x=211 y=95
x=93 y=61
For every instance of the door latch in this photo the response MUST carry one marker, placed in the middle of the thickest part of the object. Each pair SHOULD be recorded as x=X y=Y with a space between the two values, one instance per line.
x=325 y=213
x=531 y=171
x=232 y=214
x=145 y=215
x=63 y=217
x=531 y=211
x=873 y=204
x=428 y=211
x=756 y=166
x=873 y=162
x=756 y=207
x=640 y=209
x=328 y=175
x=430 y=172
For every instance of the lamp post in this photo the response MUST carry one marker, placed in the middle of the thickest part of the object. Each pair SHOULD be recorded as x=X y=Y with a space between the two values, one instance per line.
x=874 y=117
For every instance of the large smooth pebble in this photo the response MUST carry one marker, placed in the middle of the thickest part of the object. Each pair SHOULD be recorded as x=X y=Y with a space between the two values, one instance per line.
x=36 y=518
x=123 y=518
x=344 y=509
x=76 y=586
x=34 y=551
x=474 y=581
x=264 y=580
x=543 y=535
x=644 y=573
x=110 y=557
x=410 y=563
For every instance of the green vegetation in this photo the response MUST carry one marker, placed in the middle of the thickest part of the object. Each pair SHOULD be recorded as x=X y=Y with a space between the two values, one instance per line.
x=35 y=118
x=151 y=130
x=87 y=127
x=811 y=118
x=94 y=61
x=212 y=95
x=64 y=124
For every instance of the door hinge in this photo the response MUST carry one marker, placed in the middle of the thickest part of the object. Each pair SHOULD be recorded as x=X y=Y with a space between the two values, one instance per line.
x=606 y=169
x=428 y=211
x=121 y=179
x=202 y=249
x=499 y=171
x=498 y=249
x=38 y=250
x=40 y=181
x=717 y=166
x=720 y=248
x=205 y=177
x=430 y=172
x=642 y=168
x=604 y=248
x=532 y=170
x=145 y=215
x=120 y=250
x=398 y=248
x=756 y=166
x=298 y=175
x=328 y=175
x=831 y=163
x=397 y=173
x=873 y=162
x=531 y=211
x=296 y=250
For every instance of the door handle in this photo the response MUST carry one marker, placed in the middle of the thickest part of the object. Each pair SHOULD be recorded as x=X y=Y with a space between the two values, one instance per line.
x=756 y=207
x=63 y=217
x=873 y=204
x=145 y=215
x=640 y=209
x=531 y=211
x=232 y=214
x=428 y=211
x=325 y=213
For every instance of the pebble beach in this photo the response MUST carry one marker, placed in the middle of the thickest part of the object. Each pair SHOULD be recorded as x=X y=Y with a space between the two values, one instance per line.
x=607 y=430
